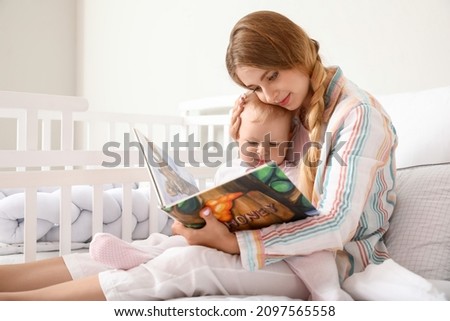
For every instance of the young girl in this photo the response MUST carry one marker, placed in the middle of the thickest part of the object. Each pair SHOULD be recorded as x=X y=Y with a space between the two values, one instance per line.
x=347 y=170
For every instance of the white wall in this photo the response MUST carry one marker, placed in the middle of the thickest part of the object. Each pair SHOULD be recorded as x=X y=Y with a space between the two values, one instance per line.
x=147 y=56
x=37 y=50
x=37 y=46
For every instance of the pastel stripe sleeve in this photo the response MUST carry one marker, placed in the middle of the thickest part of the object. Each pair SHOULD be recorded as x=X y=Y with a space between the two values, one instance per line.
x=362 y=141
x=252 y=249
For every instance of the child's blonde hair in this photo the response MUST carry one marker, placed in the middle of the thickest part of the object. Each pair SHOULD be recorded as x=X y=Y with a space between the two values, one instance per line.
x=263 y=111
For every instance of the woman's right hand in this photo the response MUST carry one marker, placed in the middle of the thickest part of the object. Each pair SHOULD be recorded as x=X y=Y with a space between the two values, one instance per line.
x=236 y=116
x=214 y=234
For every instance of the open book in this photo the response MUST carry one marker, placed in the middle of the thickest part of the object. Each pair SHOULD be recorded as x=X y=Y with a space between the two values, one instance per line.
x=261 y=197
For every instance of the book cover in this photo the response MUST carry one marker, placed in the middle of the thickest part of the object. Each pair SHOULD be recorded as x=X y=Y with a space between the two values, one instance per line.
x=261 y=197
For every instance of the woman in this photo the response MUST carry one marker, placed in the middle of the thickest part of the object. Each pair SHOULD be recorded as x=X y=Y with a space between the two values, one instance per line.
x=346 y=148
x=345 y=143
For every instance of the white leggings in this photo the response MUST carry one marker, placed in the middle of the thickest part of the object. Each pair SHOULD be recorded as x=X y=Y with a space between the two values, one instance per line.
x=178 y=270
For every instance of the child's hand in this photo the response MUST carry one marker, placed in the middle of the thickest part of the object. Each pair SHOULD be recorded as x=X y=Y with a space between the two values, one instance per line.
x=214 y=234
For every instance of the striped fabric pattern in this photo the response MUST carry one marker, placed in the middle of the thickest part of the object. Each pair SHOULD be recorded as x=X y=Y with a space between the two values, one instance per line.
x=354 y=189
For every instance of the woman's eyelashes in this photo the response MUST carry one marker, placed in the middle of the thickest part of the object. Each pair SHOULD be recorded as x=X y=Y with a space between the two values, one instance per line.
x=273 y=76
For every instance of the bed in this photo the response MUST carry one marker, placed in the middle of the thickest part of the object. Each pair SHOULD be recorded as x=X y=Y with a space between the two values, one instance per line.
x=67 y=173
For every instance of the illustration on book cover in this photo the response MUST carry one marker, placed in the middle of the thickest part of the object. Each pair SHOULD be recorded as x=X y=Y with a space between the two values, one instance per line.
x=261 y=198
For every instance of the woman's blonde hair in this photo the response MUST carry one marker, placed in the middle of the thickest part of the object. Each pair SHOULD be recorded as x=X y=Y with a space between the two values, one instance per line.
x=270 y=41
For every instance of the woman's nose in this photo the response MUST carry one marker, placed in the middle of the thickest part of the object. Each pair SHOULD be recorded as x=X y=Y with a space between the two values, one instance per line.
x=271 y=96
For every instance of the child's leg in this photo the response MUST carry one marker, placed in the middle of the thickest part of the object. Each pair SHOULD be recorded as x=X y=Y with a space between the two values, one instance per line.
x=197 y=270
x=116 y=253
x=319 y=273
x=157 y=243
x=33 y=275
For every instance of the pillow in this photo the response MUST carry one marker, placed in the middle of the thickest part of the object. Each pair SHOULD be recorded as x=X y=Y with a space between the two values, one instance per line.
x=419 y=234
x=421 y=121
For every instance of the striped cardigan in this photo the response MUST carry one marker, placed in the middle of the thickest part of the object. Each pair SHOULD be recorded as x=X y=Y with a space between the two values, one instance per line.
x=353 y=190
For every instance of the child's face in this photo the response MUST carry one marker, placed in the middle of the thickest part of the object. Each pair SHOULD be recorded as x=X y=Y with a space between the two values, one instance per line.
x=263 y=141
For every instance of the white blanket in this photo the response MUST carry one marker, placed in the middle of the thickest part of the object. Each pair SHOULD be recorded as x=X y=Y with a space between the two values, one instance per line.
x=391 y=282
x=48 y=212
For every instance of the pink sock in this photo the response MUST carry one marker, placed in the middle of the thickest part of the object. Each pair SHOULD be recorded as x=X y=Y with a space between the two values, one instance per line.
x=114 y=252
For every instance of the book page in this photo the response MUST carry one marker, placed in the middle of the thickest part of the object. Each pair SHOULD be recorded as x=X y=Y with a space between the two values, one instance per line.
x=171 y=181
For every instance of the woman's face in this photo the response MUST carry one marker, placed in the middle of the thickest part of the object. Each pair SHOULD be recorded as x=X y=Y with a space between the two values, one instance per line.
x=286 y=88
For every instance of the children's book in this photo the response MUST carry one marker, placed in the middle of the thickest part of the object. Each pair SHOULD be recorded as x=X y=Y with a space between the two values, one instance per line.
x=260 y=197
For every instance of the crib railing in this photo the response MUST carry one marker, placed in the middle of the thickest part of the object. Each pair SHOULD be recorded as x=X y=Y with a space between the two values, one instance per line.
x=59 y=143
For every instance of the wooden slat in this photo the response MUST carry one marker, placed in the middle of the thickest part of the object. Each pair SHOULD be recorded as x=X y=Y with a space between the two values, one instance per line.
x=97 y=209
x=127 y=204
x=73 y=177
x=32 y=130
x=65 y=217
x=35 y=101
x=58 y=158
x=153 y=219
x=30 y=221
x=67 y=131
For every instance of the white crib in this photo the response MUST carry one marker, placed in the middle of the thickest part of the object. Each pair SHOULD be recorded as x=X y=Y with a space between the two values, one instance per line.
x=54 y=142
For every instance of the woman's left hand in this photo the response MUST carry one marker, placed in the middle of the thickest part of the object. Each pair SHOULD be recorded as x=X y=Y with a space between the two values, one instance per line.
x=214 y=234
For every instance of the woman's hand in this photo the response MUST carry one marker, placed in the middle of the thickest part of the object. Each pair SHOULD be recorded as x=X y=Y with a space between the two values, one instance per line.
x=235 y=116
x=214 y=234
